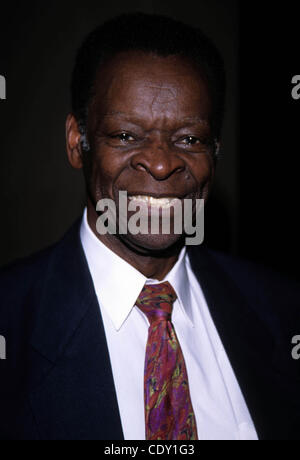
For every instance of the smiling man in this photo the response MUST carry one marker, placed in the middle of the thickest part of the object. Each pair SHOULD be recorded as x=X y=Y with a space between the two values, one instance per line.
x=126 y=335
x=150 y=133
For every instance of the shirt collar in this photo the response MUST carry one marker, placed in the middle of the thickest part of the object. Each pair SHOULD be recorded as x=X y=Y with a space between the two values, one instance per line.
x=113 y=276
x=178 y=278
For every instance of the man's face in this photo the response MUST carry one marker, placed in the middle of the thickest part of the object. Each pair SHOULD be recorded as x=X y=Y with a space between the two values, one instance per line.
x=149 y=129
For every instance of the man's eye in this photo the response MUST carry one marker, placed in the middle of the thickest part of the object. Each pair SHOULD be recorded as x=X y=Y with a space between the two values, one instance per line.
x=191 y=140
x=124 y=137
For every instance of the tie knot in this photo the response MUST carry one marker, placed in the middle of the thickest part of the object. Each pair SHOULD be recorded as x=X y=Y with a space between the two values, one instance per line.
x=156 y=301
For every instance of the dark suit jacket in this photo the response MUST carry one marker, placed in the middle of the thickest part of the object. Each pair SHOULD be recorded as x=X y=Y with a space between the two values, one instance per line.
x=57 y=383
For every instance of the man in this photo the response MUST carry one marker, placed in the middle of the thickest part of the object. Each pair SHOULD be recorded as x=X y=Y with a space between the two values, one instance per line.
x=135 y=336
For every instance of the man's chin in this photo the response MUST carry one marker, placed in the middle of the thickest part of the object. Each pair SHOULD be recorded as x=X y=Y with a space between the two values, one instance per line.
x=146 y=244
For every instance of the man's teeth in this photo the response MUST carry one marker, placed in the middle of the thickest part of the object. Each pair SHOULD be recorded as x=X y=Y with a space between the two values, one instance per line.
x=155 y=202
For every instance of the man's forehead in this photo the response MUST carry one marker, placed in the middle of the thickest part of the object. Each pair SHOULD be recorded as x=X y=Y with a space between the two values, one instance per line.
x=144 y=89
x=166 y=75
x=135 y=117
x=129 y=89
x=161 y=93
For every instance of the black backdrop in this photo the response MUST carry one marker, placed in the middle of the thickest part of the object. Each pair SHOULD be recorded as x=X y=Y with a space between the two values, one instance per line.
x=253 y=210
x=269 y=144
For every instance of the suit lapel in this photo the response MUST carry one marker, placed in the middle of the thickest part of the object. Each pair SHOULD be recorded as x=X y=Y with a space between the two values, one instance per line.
x=74 y=395
x=250 y=348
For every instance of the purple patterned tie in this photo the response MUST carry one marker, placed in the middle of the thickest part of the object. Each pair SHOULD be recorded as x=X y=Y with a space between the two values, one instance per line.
x=169 y=413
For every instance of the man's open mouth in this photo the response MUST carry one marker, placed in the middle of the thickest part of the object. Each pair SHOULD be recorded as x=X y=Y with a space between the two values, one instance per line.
x=164 y=202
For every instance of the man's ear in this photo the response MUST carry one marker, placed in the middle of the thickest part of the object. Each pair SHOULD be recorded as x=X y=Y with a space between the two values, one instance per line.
x=73 y=137
x=217 y=148
x=216 y=151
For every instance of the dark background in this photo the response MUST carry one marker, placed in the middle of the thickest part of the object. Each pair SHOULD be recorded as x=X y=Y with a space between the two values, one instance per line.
x=253 y=210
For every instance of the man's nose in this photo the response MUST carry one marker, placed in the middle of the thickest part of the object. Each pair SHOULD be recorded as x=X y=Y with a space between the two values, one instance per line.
x=158 y=160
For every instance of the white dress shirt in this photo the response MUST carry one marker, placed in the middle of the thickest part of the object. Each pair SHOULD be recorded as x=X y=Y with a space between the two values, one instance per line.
x=220 y=409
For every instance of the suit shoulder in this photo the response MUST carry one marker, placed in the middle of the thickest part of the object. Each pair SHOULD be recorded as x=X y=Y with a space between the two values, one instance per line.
x=19 y=283
x=24 y=272
x=20 y=274
x=265 y=288
x=252 y=272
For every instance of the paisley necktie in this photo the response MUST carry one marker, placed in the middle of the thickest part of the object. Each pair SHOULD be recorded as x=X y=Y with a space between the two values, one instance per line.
x=169 y=413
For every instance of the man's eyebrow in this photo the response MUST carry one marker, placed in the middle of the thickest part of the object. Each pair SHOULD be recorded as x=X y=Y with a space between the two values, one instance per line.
x=196 y=120
x=116 y=113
